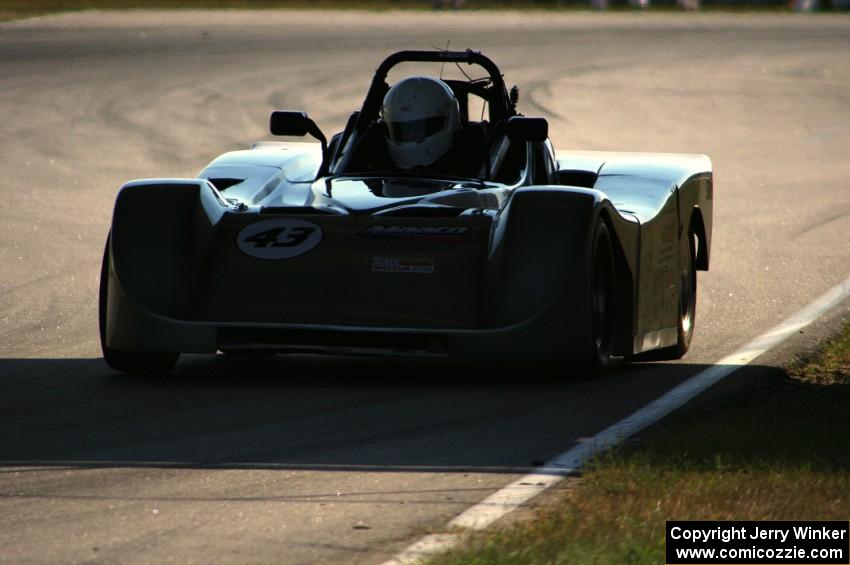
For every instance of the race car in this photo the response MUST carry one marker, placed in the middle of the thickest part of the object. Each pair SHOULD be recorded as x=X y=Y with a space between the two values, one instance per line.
x=417 y=231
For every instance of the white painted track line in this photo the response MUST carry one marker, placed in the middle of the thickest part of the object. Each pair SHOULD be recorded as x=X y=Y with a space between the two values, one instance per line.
x=553 y=471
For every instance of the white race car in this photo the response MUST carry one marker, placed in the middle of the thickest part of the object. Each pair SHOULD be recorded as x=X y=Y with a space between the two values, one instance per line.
x=517 y=252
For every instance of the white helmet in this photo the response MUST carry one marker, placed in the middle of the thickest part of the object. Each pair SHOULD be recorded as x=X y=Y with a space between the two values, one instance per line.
x=422 y=116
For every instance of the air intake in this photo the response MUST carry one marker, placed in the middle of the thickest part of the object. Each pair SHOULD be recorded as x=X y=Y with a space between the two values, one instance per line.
x=333 y=341
x=422 y=212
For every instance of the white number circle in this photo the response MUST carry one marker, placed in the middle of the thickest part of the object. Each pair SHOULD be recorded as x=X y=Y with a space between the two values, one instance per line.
x=280 y=238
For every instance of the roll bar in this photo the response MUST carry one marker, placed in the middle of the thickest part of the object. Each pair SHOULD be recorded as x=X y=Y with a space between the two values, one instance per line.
x=500 y=106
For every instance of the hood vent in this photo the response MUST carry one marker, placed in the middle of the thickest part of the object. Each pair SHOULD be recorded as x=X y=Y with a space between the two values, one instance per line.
x=299 y=211
x=224 y=184
x=422 y=212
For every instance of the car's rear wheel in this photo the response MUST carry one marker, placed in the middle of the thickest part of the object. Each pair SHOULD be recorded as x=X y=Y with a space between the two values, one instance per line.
x=602 y=287
x=134 y=362
x=687 y=304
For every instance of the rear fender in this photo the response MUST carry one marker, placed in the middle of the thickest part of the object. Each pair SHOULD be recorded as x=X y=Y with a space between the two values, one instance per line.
x=696 y=198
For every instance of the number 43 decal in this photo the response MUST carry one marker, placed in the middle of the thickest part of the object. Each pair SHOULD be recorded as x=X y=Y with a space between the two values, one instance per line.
x=280 y=238
x=290 y=237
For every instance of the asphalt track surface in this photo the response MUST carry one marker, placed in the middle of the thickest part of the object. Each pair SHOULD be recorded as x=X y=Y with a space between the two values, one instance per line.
x=302 y=460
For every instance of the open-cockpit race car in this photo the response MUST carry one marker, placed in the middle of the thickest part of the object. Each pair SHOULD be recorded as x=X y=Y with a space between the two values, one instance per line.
x=417 y=231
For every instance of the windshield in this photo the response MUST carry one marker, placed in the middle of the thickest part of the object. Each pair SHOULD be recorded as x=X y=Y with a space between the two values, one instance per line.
x=424 y=176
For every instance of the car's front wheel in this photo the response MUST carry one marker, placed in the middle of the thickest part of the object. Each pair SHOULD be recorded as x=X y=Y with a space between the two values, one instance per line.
x=134 y=362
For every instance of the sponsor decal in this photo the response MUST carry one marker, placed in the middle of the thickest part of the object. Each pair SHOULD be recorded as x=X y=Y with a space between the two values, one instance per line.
x=420 y=265
x=446 y=234
x=279 y=238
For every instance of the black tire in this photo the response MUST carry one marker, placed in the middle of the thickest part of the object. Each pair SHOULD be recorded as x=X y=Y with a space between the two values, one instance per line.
x=687 y=305
x=602 y=296
x=133 y=362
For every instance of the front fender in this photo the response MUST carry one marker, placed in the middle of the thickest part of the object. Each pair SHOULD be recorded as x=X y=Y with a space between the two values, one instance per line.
x=541 y=265
x=158 y=227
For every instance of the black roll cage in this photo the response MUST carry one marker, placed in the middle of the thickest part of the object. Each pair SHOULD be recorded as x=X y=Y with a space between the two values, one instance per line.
x=499 y=102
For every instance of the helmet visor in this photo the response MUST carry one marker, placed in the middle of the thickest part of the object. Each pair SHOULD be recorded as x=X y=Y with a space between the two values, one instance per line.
x=415 y=130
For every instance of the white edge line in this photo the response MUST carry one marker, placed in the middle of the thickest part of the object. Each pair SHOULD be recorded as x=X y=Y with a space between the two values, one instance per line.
x=553 y=471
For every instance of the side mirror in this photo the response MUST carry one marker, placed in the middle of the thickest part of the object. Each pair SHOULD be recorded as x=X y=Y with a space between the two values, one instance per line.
x=299 y=124
x=291 y=123
x=524 y=128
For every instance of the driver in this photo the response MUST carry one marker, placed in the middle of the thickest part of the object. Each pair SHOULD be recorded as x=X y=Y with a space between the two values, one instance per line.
x=423 y=121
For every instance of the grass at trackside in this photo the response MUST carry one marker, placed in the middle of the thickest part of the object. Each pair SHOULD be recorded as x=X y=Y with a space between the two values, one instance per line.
x=778 y=448
x=16 y=9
